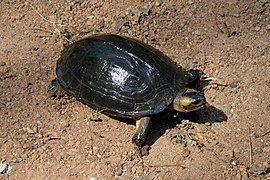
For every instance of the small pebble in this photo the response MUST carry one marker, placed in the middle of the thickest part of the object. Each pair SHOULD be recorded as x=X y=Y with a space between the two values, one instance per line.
x=119 y=171
x=257 y=28
x=4 y=168
x=190 y=1
x=264 y=1
x=30 y=131
x=34 y=156
x=197 y=32
x=93 y=178
x=158 y=3
x=185 y=153
x=207 y=123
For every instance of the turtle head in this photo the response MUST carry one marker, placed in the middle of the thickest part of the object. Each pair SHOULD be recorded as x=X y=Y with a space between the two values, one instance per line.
x=190 y=100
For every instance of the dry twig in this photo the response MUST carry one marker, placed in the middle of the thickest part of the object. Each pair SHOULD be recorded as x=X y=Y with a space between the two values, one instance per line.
x=55 y=25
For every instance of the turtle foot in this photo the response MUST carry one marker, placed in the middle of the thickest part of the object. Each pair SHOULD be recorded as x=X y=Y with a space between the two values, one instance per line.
x=55 y=90
x=143 y=151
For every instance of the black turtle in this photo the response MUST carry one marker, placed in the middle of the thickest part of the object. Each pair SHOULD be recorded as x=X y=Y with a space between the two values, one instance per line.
x=124 y=77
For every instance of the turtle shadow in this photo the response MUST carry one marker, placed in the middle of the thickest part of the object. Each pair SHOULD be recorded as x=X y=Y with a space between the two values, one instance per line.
x=170 y=119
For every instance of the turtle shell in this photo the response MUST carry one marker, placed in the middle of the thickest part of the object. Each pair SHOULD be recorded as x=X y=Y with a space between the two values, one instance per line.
x=119 y=75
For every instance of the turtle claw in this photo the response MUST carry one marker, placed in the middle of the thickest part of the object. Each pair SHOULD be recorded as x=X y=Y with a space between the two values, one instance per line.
x=143 y=151
x=55 y=90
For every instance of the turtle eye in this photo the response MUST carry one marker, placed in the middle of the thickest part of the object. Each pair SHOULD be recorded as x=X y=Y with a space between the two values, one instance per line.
x=197 y=102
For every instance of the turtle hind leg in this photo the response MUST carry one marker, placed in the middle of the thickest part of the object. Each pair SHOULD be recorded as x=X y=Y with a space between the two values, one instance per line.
x=139 y=138
x=55 y=90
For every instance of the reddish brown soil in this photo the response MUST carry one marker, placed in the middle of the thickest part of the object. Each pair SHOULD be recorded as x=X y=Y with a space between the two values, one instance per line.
x=62 y=139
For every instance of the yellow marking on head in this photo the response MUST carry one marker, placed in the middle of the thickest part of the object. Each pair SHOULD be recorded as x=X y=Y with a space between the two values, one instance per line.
x=192 y=90
x=186 y=101
x=137 y=124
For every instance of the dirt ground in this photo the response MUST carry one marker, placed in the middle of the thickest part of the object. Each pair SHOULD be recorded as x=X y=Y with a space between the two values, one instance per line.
x=42 y=138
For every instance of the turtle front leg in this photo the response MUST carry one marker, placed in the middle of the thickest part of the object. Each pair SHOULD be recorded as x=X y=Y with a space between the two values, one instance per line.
x=142 y=128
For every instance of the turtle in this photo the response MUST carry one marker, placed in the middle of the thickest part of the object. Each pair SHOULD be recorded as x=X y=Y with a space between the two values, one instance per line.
x=124 y=77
